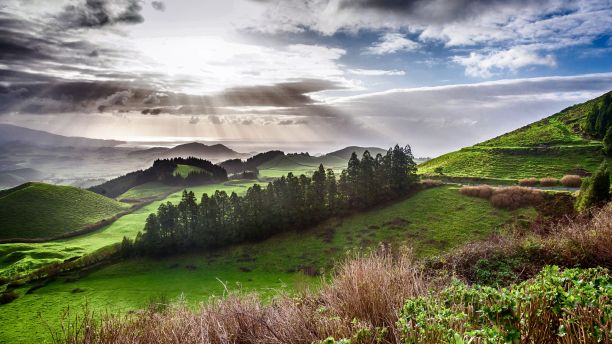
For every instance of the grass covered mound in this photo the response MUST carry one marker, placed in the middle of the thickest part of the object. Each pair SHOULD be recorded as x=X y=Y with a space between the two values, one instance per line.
x=184 y=170
x=37 y=210
x=552 y=147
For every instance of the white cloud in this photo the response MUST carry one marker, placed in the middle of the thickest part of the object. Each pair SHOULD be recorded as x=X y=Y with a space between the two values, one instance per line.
x=377 y=72
x=436 y=120
x=392 y=42
x=484 y=65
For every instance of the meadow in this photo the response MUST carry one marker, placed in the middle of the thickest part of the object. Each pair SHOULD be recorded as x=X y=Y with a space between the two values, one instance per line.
x=22 y=258
x=287 y=262
x=37 y=210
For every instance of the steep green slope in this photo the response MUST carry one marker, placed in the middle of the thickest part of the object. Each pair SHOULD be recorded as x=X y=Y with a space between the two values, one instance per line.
x=554 y=146
x=37 y=210
x=431 y=221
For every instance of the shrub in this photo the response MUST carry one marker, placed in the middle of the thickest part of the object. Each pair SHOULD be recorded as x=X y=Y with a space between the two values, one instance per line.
x=528 y=182
x=431 y=183
x=607 y=142
x=570 y=306
x=515 y=197
x=548 y=181
x=481 y=191
x=595 y=190
x=571 y=181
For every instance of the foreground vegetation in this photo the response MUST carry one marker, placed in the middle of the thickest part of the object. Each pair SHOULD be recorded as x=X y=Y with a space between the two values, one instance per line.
x=37 y=210
x=432 y=222
x=381 y=299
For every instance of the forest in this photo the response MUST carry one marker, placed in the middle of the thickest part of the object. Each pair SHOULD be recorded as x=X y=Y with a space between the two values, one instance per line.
x=287 y=203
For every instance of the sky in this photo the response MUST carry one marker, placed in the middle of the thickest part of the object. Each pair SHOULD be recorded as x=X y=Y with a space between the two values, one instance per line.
x=309 y=75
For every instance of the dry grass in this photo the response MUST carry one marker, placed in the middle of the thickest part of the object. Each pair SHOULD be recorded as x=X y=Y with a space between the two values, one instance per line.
x=571 y=181
x=528 y=182
x=431 y=183
x=481 y=191
x=364 y=297
x=515 y=256
x=513 y=197
x=548 y=181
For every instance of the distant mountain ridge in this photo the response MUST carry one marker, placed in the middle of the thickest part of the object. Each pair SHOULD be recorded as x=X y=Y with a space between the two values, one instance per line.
x=14 y=134
x=345 y=153
x=194 y=149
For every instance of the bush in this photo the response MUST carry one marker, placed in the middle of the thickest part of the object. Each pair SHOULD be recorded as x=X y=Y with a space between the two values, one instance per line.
x=431 y=183
x=570 y=306
x=548 y=181
x=595 y=191
x=607 y=142
x=481 y=191
x=515 y=197
x=528 y=182
x=571 y=181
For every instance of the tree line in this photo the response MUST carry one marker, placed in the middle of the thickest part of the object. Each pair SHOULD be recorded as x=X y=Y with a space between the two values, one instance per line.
x=599 y=119
x=163 y=171
x=287 y=203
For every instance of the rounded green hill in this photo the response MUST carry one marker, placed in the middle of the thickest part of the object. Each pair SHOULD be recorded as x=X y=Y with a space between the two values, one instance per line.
x=38 y=210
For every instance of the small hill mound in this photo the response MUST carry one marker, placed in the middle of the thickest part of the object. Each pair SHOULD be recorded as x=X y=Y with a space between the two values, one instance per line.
x=177 y=171
x=234 y=166
x=37 y=210
x=192 y=149
x=552 y=147
x=345 y=153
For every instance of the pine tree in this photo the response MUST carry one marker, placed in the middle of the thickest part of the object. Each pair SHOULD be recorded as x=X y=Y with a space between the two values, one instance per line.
x=595 y=191
x=607 y=142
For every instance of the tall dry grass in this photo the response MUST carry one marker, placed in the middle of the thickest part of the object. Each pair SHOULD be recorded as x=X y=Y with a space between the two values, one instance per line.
x=528 y=182
x=548 y=181
x=512 y=197
x=571 y=181
x=364 y=296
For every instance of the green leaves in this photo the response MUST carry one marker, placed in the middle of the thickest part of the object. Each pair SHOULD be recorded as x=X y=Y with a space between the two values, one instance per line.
x=532 y=309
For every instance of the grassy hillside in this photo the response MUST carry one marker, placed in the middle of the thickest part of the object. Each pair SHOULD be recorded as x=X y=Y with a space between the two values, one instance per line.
x=299 y=164
x=553 y=146
x=283 y=262
x=184 y=170
x=146 y=190
x=25 y=257
x=37 y=210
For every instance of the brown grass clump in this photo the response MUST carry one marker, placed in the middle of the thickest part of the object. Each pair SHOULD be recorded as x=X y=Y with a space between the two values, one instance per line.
x=431 y=183
x=515 y=197
x=364 y=297
x=528 y=182
x=571 y=181
x=512 y=197
x=548 y=181
x=481 y=191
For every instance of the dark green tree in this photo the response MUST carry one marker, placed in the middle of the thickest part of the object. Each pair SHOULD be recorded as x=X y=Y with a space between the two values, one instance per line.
x=607 y=142
x=595 y=191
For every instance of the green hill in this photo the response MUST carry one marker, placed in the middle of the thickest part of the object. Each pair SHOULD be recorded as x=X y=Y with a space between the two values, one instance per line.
x=431 y=221
x=554 y=146
x=299 y=164
x=37 y=210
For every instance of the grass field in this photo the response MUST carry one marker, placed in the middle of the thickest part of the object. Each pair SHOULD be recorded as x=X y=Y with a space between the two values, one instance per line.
x=184 y=170
x=299 y=164
x=432 y=221
x=551 y=147
x=22 y=258
x=146 y=190
x=37 y=210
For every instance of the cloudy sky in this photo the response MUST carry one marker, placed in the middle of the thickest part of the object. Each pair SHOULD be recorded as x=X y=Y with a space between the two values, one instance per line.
x=299 y=74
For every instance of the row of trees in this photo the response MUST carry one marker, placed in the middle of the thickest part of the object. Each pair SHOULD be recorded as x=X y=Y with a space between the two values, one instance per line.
x=599 y=120
x=287 y=203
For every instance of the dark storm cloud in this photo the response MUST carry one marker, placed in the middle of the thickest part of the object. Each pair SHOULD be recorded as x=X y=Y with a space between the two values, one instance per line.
x=158 y=5
x=99 y=13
